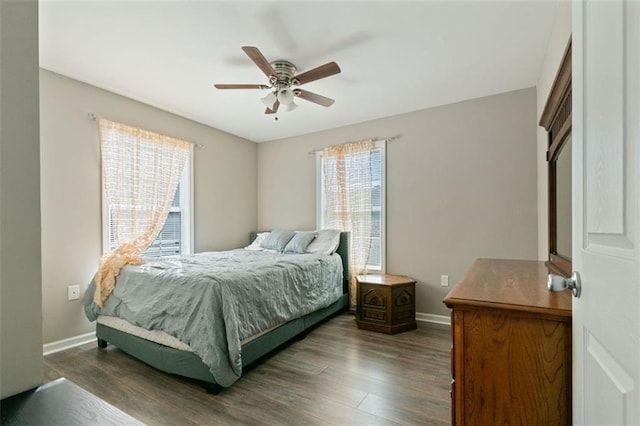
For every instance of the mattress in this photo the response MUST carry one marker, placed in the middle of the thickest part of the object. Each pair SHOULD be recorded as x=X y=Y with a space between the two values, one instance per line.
x=158 y=336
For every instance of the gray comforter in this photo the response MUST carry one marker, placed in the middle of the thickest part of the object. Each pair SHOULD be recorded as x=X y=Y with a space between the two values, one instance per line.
x=212 y=301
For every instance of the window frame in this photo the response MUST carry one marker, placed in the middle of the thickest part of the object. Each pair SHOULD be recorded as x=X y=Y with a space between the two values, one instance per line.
x=379 y=145
x=186 y=210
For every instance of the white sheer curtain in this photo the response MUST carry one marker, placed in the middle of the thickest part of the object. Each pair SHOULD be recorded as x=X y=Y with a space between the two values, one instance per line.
x=141 y=171
x=347 y=186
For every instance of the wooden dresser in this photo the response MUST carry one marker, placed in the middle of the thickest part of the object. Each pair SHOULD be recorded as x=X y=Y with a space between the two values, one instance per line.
x=511 y=354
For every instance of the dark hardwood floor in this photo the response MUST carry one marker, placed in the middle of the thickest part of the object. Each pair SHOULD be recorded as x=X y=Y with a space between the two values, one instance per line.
x=338 y=374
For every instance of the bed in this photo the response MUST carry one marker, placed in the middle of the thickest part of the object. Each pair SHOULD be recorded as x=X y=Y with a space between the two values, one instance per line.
x=177 y=349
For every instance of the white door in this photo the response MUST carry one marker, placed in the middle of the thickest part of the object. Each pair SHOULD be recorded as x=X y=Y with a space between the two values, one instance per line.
x=606 y=219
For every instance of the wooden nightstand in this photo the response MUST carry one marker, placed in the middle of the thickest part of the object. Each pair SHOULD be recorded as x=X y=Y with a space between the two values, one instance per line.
x=386 y=303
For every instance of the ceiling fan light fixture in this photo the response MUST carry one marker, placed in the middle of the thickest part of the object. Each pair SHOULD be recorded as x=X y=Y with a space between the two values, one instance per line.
x=285 y=96
x=290 y=107
x=269 y=100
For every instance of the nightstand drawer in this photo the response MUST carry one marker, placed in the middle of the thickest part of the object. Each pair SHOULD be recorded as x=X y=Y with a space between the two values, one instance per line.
x=373 y=297
x=374 y=315
x=404 y=297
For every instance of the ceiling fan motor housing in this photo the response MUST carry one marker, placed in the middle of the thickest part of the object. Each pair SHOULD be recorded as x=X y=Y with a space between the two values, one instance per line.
x=285 y=70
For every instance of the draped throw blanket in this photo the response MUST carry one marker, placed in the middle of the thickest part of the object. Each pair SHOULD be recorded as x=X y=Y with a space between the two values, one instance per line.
x=347 y=174
x=141 y=171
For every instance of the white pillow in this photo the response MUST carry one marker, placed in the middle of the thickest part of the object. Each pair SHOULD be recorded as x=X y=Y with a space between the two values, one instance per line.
x=326 y=242
x=255 y=245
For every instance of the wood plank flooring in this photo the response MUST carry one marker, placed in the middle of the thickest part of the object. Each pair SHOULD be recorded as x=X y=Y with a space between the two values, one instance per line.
x=337 y=375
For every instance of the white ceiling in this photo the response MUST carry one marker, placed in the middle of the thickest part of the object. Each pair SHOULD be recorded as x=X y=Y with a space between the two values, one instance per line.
x=395 y=56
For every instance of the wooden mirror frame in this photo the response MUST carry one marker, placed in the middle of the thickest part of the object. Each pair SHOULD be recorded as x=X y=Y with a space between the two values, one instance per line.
x=556 y=120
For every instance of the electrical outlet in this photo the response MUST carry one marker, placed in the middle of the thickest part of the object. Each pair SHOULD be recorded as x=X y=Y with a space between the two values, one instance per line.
x=73 y=292
x=444 y=280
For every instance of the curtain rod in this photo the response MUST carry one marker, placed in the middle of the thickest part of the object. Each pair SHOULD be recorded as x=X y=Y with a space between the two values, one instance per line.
x=387 y=139
x=95 y=118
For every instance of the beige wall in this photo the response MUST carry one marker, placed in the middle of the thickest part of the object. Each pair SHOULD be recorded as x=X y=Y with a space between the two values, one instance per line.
x=20 y=282
x=461 y=184
x=555 y=49
x=224 y=179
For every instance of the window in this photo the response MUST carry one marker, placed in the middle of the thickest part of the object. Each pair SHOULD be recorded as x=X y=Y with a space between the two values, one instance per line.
x=175 y=237
x=169 y=240
x=377 y=207
x=376 y=259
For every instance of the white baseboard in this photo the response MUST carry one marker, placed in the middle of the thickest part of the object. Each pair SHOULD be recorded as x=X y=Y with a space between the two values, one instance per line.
x=435 y=319
x=69 y=343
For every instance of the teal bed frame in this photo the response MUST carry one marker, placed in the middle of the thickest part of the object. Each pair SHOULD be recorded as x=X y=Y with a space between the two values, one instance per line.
x=188 y=364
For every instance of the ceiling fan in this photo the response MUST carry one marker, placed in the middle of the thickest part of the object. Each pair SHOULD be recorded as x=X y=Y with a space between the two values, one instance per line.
x=282 y=76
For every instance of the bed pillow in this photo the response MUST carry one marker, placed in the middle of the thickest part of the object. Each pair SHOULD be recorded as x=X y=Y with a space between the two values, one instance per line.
x=300 y=242
x=277 y=239
x=255 y=245
x=325 y=242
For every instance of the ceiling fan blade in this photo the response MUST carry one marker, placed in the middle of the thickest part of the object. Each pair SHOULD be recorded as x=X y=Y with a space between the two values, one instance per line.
x=317 y=73
x=240 y=86
x=314 y=97
x=274 y=110
x=256 y=56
